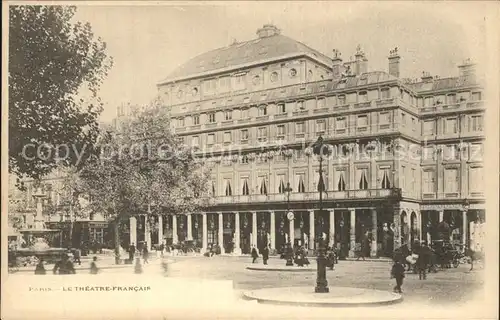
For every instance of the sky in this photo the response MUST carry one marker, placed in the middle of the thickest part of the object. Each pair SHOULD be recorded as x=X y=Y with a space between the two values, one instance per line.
x=147 y=41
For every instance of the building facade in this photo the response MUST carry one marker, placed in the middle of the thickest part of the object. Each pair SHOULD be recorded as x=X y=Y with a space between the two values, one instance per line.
x=405 y=158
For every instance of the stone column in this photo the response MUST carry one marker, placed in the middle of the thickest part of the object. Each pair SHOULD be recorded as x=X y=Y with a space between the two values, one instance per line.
x=220 y=233
x=237 y=245
x=204 y=233
x=419 y=225
x=331 y=231
x=254 y=228
x=311 y=229
x=272 y=232
x=352 y=233
x=147 y=232
x=397 y=228
x=175 y=238
x=374 y=249
x=291 y=231
x=189 y=227
x=465 y=228
x=441 y=215
x=133 y=230
x=160 y=229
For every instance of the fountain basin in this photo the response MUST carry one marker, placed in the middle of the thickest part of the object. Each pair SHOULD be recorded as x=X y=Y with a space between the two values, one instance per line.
x=50 y=255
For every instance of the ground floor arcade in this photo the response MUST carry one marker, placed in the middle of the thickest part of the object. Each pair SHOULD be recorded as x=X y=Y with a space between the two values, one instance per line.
x=373 y=231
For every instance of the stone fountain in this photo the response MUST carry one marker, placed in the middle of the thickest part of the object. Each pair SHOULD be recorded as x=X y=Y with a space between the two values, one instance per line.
x=36 y=237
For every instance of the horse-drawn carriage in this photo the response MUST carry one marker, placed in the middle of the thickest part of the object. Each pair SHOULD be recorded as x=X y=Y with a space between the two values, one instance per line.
x=447 y=254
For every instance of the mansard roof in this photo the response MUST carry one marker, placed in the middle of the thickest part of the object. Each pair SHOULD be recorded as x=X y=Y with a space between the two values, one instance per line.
x=274 y=47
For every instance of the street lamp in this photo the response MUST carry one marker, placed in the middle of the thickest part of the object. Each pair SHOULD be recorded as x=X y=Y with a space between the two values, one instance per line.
x=320 y=149
x=289 y=215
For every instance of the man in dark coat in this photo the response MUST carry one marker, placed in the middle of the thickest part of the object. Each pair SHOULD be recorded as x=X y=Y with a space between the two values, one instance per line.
x=423 y=261
x=40 y=269
x=265 y=254
x=398 y=273
x=131 y=252
x=145 y=253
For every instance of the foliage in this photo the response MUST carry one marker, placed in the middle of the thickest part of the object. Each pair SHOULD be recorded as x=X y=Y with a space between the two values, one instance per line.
x=55 y=70
x=142 y=167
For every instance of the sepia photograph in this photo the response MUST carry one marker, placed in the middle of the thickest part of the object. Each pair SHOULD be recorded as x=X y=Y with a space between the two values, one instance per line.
x=250 y=160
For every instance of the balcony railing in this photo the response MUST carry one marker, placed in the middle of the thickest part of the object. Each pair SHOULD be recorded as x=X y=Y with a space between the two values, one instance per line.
x=309 y=196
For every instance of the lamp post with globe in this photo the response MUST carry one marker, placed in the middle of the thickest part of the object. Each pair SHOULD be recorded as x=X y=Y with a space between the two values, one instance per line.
x=320 y=149
x=289 y=214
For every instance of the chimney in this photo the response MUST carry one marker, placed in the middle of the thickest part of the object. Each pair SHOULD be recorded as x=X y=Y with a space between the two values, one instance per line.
x=467 y=69
x=337 y=64
x=394 y=62
x=426 y=77
x=268 y=30
x=360 y=61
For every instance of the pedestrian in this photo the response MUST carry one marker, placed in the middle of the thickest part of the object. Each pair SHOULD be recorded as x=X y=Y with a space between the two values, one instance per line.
x=255 y=255
x=162 y=248
x=93 y=266
x=423 y=261
x=76 y=256
x=398 y=273
x=145 y=253
x=265 y=254
x=40 y=268
x=64 y=266
x=358 y=249
x=131 y=252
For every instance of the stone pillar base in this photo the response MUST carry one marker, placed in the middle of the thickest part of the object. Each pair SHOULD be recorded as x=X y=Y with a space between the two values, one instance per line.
x=237 y=251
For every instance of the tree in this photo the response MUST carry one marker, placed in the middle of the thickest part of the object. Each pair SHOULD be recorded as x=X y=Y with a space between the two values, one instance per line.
x=55 y=70
x=142 y=168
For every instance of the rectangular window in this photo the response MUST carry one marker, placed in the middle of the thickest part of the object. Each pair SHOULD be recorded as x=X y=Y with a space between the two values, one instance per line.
x=320 y=126
x=362 y=179
x=341 y=100
x=450 y=126
x=196 y=120
x=413 y=179
x=362 y=121
x=476 y=181
x=385 y=93
x=245 y=188
x=363 y=96
x=281 y=108
x=451 y=180
x=280 y=130
x=428 y=181
x=228 y=191
x=227 y=137
x=210 y=86
x=228 y=115
x=428 y=127
x=403 y=119
x=211 y=117
x=300 y=127
x=477 y=123
x=413 y=124
x=245 y=113
x=451 y=98
x=300 y=185
x=211 y=139
x=476 y=96
x=428 y=101
x=263 y=111
x=196 y=141
x=262 y=133
x=280 y=183
x=301 y=105
x=239 y=82
x=244 y=135
x=321 y=103
x=224 y=84
x=428 y=153
x=451 y=153
x=384 y=118
x=341 y=123
x=180 y=122
x=340 y=180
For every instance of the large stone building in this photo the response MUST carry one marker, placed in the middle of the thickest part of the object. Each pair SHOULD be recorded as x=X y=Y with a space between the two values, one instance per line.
x=406 y=161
